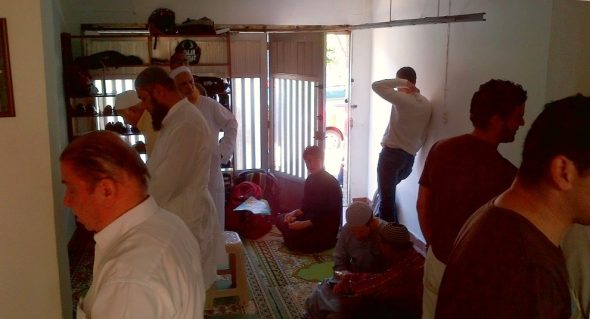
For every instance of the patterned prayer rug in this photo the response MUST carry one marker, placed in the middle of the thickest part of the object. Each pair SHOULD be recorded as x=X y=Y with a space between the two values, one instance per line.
x=279 y=280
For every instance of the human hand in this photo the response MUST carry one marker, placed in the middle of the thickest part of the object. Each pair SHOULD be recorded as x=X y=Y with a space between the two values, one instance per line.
x=298 y=225
x=339 y=274
x=342 y=286
x=290 y=217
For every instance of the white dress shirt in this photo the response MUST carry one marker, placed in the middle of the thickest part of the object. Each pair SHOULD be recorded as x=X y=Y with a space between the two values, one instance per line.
x=146 y=265
x=179 y=168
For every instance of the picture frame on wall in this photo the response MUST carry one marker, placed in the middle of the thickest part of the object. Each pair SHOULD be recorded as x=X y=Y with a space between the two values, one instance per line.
x=6 y=95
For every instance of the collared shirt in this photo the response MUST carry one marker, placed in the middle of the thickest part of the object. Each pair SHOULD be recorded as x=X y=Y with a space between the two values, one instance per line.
x=409 y=117
x=146 y=265
x=179 y=167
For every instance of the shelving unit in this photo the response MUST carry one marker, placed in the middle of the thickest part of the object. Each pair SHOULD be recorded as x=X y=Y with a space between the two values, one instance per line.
x=116 y=77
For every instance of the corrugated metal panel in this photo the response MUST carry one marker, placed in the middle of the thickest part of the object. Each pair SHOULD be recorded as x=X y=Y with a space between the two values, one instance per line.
x=249 y=55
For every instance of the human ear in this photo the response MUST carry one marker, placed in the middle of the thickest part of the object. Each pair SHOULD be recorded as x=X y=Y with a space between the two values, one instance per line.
x=562 y=172
x=107 y=190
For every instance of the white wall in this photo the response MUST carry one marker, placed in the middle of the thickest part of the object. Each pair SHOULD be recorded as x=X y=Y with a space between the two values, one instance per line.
x=569 y=54
x=31 y=233
x=511 y=44
x=279 y=12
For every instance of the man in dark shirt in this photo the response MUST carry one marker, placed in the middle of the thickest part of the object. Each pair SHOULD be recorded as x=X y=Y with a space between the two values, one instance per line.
x=464 y=172
x=506 y=261
x=314 y=227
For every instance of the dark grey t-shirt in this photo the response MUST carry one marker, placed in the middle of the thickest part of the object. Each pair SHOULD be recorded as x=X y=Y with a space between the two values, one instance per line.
x=502 y=266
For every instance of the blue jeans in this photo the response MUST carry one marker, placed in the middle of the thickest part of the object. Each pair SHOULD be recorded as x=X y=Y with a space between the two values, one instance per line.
x=393 y=167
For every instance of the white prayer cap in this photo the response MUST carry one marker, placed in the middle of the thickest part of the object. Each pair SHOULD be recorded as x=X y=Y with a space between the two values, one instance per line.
x=126 y=100
x=358 y=214
x=181 y=69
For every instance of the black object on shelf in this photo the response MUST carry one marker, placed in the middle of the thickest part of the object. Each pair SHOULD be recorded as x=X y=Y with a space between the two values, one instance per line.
x=107 y=59
x=139 y=146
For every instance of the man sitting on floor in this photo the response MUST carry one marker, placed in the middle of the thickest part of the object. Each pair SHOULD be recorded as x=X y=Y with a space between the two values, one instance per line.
x=357 y=248
x=395 y=293
x=314 y=227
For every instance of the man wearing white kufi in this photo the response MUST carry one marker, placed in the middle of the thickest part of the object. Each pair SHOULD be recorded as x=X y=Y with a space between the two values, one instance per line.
x=219 y=119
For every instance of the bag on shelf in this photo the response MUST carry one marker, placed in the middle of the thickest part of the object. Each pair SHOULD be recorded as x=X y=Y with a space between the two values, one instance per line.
x=202 y=26
x=107 y=58
x=213 y=85
x=162 y=21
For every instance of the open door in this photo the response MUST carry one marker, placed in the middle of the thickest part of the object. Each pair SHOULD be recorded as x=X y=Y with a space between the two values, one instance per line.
x=297 y=64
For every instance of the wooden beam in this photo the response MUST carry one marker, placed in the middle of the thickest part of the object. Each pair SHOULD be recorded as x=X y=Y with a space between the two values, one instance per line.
x=308 y=28
x=427 y=20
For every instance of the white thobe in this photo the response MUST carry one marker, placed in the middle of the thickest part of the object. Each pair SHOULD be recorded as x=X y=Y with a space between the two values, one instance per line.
x=146 y=265
x=179 y=169
x=219 y=119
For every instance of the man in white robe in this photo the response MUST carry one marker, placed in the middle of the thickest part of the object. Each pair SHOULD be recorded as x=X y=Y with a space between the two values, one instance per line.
x=219 y=119
x=147 y=262
x=180 y=163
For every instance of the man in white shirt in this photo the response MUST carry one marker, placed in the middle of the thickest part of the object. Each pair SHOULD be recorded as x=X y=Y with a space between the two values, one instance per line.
x=219 y=119
x=180 y=163
x=147 y=262
x=404 y=136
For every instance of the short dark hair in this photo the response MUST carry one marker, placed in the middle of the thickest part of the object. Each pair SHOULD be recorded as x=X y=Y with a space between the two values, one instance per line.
x=495 y=97
x=314 y=151
x=155 y=75
x=563 y=128
x=406 y=73
x=103 y=154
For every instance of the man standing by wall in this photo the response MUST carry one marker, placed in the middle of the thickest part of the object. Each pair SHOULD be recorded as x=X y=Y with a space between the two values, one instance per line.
x=180 y=163
x=147 y=262
x=506 y=261
x=464 y=172
x=404 y=136
x=219 y=119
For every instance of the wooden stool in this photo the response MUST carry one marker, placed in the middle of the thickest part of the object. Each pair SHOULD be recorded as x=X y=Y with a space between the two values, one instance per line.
x=237 y=269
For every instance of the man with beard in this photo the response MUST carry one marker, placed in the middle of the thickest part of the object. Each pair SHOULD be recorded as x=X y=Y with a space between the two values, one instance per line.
x=464 y=172
x=179 y=164
x=506 y=261
x=219 y=119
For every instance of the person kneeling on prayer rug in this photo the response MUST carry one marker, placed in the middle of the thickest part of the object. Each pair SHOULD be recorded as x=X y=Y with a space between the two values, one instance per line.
x=395 y=293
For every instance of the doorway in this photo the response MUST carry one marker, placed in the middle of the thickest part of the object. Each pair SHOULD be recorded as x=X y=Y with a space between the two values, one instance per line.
x=337 y=108
x=307 y=92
